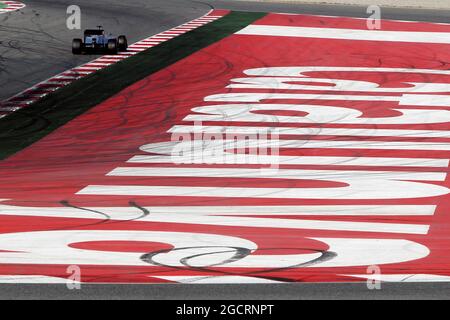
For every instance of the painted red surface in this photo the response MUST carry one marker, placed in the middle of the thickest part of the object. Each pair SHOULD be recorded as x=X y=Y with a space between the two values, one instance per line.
x=49 y=173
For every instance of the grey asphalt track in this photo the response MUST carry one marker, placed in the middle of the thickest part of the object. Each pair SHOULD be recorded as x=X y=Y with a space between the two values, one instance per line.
x=35 y=45
x=270 y=292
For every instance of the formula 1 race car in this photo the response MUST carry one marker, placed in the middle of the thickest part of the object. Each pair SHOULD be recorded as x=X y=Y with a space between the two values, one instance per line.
x=95 y=40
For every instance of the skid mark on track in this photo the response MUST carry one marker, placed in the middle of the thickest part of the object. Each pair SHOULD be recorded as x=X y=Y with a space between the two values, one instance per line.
x=305 y=238
x=35 y=93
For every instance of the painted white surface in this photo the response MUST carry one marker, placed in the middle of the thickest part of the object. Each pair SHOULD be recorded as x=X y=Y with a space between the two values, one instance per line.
x=346 y=34
x=403 y=277
x=196 y=250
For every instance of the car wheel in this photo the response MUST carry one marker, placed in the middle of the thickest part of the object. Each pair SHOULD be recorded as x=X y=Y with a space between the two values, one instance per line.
x=112 y=46
x=77 y=46
x=122 y=43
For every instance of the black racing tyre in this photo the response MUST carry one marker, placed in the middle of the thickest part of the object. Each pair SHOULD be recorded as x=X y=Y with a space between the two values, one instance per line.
x=112 y=46
x=77 y=46
x=122 y=43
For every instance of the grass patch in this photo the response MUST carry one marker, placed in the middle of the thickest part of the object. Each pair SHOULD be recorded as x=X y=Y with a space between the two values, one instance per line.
x=30 y=124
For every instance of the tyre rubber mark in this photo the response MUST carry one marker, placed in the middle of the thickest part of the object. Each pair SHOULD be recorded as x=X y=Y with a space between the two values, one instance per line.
x=363 y=135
